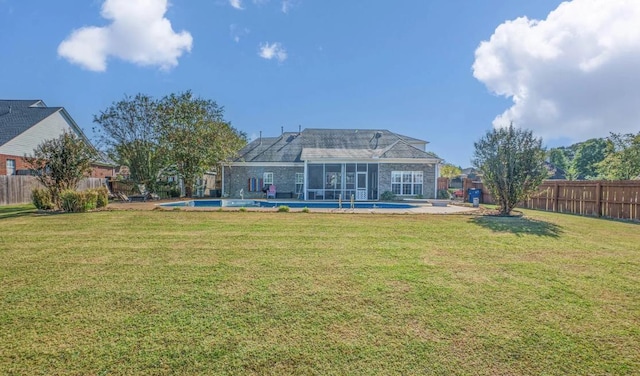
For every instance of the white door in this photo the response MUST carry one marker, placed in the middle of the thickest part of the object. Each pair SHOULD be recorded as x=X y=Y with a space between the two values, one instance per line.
x=361 y=186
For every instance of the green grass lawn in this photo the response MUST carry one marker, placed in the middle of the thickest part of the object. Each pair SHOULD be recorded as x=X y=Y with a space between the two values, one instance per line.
x=177 y=292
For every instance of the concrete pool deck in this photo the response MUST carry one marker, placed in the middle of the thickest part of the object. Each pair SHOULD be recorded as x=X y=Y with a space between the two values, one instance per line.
x=421 y=208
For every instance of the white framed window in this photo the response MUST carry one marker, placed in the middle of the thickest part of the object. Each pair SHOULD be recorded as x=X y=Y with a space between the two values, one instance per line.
x=11 y=166
x=407 y=183
x=268 y=178
x=299 y=178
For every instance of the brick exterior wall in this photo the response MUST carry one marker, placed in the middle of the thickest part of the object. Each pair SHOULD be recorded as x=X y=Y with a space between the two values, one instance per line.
x=237 y=177
x=98 y=171
x=20 y=163
x=428 y=172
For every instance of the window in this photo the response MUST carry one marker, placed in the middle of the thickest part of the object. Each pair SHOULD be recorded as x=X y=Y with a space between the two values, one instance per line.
x=268 y=178
x=299 y=183
x=11 y=166
x=406 y=183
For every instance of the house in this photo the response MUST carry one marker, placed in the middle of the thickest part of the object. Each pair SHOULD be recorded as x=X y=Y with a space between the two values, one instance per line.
x=325 y=164
x=24 y=124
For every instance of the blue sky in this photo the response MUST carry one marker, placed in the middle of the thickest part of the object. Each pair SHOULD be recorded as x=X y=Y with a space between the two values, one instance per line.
x=413 y=66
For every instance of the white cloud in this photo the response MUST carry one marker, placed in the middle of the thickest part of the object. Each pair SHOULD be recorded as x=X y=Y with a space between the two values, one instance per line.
x=238 y=32
x=236 y=4
x=287 y=5
x=139 y=33
x=273 y=51
x=572 y=75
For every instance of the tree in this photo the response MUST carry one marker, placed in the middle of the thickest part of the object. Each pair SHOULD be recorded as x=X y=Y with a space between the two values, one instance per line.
x=196 y=136
x=588 y=155
x=130 y=129
x=61 y=163
x=450 y=171
x=559 y=159
x=623 y=158
x=512 y=163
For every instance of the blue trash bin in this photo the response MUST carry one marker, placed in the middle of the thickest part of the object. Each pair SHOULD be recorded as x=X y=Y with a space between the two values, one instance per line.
x=475 y=193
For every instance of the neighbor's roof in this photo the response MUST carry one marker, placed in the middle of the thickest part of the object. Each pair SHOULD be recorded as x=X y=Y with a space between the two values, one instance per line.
x=16 y=116
x=334 y=144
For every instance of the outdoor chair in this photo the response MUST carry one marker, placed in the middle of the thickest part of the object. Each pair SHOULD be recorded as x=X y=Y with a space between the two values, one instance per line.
x=123 y=197
x=271 y=193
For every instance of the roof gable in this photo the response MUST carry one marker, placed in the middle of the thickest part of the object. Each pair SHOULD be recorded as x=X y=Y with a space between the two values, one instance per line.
x=16 y=116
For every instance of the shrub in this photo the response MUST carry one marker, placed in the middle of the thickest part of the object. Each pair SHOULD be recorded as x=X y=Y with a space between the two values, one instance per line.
x=41 y=199
x=283 y=209
x=243 y=209
x=89 y=199
x=306 y=210
x=444 y=194
x=103 y=197
x=387 y=196
x=72 y=201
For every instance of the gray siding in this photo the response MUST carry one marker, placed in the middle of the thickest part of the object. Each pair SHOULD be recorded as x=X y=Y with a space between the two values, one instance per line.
x=428 y=171
x=49 y=128
x=237 y=177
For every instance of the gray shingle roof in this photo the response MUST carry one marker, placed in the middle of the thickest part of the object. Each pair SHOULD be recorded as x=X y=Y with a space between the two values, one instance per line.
x=16 y=116
x=332 y=143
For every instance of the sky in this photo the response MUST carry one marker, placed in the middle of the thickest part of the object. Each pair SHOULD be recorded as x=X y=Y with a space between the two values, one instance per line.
x=445 y=71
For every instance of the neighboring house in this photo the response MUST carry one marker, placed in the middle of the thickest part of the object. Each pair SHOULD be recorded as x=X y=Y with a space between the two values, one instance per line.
x=470 y=173
x=325 y=164
x=24 y=124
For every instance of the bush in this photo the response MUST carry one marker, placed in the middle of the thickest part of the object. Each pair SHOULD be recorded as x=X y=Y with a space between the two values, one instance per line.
x=174 y=192
x=89 y=199
x=41 y=199
x=387 y=196
x=78 y=202
x=72 y=201
x=103 y=197
x=283 y=209
x=243 y=209
x=444 y=194
x=306 y=210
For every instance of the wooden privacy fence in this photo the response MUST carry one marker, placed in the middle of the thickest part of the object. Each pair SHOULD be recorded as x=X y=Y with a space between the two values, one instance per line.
x=16 y=189
x=612 y=199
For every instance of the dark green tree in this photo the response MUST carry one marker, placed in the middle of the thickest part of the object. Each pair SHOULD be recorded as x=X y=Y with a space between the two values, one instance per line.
x=196 y=136
x=512 y=163
x=623 y=157
x=588 y=155
x=559 y=159
x=61 y=163
x=130 y=130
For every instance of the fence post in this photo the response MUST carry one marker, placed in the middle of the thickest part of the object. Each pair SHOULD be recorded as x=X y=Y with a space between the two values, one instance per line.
x=598 y=199
x=556 y=195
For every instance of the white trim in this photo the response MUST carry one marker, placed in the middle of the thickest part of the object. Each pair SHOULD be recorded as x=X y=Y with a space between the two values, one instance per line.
x=377 y=161
x=306 y=171
x=335 y=160
x=264 y=164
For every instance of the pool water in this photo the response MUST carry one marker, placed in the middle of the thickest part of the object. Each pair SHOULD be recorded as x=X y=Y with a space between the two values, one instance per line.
x=292 y=204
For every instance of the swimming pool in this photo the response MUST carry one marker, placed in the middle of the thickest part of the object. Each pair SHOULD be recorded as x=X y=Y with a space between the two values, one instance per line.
x=229 y=203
